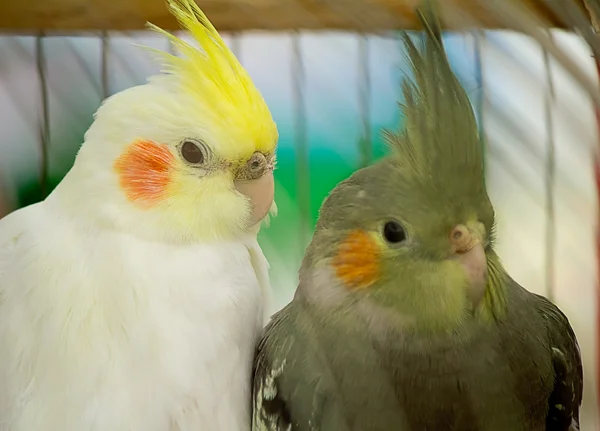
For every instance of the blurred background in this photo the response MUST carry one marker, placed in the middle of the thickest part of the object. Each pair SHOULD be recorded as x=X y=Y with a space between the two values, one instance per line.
x=331 y=92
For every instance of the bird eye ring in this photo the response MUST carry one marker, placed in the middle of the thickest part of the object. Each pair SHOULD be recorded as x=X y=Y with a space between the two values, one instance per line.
x=193 y=151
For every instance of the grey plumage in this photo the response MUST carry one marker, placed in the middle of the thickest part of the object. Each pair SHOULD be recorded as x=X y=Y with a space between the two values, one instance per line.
x=382 y=334
x=311 y=376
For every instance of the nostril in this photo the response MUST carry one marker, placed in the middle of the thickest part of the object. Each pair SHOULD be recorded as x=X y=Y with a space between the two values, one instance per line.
x=257 y=161
x=254 y=168
x=461 y=238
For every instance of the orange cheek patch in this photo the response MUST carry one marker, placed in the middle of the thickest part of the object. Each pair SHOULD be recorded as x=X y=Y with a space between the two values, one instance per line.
x=144 y=171
x=357 y=260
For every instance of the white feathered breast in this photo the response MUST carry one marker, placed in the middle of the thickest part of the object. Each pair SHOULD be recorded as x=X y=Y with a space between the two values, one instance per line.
x=101 y=331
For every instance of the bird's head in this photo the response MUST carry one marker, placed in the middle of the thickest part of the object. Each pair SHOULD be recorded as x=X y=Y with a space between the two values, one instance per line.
x=187 y=157
x=414 y=232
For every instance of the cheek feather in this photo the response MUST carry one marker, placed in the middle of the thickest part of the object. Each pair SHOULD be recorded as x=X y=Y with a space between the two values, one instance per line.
x=144 y=171
x=357 y=260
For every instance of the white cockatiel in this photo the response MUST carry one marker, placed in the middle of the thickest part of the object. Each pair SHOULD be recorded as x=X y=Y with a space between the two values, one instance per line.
x=132 y=297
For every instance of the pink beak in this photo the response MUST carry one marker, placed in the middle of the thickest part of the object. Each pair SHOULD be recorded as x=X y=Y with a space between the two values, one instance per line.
x=470 y=254
x=261 y=192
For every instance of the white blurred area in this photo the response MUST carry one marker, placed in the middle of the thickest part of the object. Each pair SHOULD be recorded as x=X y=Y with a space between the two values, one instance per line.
x=517 y=175
x=516 y=90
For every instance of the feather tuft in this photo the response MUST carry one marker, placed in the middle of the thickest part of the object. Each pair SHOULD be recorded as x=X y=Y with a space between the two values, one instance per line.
x=219 y=87
x=438 y=152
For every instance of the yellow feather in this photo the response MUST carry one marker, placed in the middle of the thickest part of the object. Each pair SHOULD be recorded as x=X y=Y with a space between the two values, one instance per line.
x=222 y=92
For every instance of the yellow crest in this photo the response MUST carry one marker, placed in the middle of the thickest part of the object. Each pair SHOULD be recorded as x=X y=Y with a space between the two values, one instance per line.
x=222 y=90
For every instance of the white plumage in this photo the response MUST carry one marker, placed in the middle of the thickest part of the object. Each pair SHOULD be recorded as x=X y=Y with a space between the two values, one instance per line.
x=132 y=298
x=101 y=330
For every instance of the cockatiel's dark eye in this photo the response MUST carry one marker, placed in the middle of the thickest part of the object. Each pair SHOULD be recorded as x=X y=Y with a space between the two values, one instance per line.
x=393 y=232
x=192 y=152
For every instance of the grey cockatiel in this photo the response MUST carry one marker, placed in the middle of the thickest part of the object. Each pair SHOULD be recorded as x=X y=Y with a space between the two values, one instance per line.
x=404 y=318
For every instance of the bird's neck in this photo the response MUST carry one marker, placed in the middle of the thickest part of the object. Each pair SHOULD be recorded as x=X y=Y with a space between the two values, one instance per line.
x=493 y=306
x=435 y=309
x=85 y=192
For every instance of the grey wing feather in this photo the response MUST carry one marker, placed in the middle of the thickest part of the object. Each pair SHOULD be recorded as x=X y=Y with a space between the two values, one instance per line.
x=292 y=387
x=270 y=412
x=565 y=400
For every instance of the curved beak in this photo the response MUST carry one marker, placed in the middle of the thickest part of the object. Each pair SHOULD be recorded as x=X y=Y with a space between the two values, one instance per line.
x=260 y=192
x=467 y=245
